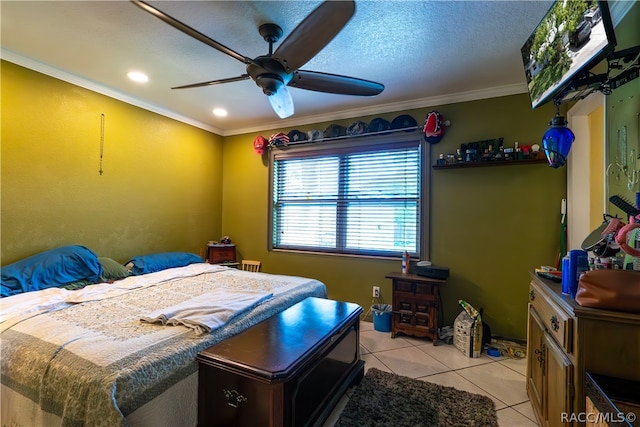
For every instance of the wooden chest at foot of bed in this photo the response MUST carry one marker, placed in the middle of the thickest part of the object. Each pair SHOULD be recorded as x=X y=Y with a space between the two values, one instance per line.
x=289 y=370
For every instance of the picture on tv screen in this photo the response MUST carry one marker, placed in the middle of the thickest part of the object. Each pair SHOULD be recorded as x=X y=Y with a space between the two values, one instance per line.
x=573 y=37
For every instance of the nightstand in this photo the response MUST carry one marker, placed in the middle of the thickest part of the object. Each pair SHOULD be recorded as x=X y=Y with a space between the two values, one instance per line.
x=415 y=301
x=221 y=254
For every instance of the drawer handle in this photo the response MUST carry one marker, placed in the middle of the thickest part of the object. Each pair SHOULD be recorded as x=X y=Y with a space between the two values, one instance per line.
x=234 y=398
x=532 y=295
x=555 y=325
x=540 y=353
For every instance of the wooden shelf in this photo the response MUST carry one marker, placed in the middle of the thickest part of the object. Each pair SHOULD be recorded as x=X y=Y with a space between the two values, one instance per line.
x=494 y=163
x=411 y=130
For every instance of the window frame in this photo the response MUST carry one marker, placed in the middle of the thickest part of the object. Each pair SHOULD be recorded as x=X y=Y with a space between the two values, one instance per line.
x=342 y=145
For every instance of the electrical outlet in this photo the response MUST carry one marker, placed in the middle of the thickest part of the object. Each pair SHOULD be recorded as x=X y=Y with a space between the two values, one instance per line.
x=376 y=291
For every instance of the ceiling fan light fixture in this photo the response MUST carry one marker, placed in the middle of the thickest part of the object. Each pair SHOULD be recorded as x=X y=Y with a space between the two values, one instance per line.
x=282 y=103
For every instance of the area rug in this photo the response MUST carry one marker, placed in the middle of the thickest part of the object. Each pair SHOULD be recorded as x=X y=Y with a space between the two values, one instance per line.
x=385 y=399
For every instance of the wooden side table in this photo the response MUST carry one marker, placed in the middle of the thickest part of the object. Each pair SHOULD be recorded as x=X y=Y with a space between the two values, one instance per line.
x=415 y=301
x=221 y=253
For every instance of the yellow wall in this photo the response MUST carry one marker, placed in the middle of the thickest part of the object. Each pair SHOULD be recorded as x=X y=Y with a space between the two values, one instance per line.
x=489 y=225
x=160 y=190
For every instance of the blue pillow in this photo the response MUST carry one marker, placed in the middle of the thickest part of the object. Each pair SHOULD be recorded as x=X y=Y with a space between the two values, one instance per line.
x=156 y=262
x=52 y=268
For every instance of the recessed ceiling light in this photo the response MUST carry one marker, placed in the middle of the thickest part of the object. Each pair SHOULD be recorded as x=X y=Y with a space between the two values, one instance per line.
x=220 y=112
x=138 y=76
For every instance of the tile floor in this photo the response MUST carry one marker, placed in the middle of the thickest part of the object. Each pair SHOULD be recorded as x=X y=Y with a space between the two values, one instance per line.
x=500 y=378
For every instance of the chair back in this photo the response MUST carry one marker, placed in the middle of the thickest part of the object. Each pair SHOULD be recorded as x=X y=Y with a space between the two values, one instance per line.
x=250 y=265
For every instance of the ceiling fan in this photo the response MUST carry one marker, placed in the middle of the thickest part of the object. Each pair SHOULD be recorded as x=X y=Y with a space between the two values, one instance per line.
x=275 y=71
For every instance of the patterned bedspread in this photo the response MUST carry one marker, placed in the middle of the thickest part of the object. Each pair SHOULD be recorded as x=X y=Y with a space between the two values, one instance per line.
x=94 y=362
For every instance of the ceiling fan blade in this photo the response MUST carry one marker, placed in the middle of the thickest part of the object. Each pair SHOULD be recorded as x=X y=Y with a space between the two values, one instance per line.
x=334 y=83
x=282 y=103
x=215 y=82
x=313 y=33
x=191 y=31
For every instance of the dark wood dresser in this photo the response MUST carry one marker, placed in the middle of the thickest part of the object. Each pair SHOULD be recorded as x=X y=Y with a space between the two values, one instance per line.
x=221 y=253
x=415 y=302
x=289 y=370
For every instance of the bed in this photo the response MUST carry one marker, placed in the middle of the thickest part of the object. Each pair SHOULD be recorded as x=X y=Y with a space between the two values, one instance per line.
x=103 y=354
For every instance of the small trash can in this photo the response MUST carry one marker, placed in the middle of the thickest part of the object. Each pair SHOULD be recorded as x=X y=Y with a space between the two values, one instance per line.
x=381 y=317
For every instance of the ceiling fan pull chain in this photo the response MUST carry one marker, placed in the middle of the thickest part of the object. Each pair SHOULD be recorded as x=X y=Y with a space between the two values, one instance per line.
x=101 y=141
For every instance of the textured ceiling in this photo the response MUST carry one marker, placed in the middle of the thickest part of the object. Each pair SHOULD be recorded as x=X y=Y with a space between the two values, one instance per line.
x=424 y=52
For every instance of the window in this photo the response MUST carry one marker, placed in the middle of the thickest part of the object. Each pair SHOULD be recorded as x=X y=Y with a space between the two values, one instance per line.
x=350 y=198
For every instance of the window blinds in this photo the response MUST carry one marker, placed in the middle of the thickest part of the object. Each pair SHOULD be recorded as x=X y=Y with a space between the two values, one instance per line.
x=359 y=200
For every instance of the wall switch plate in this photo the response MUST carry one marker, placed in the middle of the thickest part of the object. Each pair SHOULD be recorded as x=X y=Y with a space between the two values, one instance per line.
x=376 y=291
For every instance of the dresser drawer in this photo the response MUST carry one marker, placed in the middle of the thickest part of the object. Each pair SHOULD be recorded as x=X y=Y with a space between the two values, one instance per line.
x=417 y=289
x=426 y=289
x=557 y=322
x=403 y=286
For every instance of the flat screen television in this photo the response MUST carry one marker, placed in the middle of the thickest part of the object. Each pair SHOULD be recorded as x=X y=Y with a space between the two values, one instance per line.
x=572 y=37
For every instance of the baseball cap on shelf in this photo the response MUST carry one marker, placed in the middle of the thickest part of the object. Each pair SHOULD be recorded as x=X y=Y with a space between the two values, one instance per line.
x=297 y=136
x=379 y=124
x=314 y=134
x=403 y=121
x=278 y=139
x=333 y=131
x=357 y=128
x=259 y=144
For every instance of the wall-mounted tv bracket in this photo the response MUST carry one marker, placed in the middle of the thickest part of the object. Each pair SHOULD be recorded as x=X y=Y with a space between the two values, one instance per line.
x=582 y=85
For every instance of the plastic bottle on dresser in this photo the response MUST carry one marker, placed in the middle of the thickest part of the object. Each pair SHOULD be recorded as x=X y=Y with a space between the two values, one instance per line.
x=566 y=276
x=405 y=262
x=578 y=264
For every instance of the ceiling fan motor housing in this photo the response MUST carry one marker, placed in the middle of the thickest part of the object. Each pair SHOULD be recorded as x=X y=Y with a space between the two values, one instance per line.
x=269 y=74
